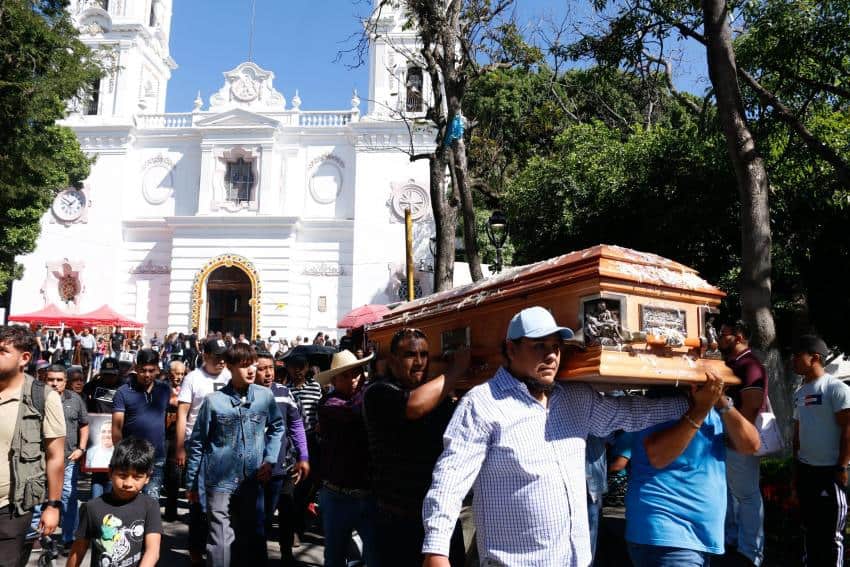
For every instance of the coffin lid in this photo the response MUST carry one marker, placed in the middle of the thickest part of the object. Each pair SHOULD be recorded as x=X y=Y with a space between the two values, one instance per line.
x=601 y=261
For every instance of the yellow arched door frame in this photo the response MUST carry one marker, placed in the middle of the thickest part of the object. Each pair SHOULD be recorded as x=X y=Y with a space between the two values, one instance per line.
x=200 y=282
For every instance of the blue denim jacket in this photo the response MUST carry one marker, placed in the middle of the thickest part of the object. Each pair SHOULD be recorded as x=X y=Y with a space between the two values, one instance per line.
x=232 y=439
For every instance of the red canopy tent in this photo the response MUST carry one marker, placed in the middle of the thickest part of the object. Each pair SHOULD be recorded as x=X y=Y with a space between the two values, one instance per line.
x=105 y=315
x=50 y=316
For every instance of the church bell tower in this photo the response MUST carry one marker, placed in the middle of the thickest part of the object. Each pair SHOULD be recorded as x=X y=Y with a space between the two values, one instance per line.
x=398 y=84
x=132 y=39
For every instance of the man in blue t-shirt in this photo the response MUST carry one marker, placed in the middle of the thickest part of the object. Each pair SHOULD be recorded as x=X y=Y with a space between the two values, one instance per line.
x=821 y=453
x=139 y=409
x=676 y=501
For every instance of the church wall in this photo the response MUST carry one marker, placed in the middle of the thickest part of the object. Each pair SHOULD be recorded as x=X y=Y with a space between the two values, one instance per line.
x=93 y=242
x=379 y=235
x=161 y=180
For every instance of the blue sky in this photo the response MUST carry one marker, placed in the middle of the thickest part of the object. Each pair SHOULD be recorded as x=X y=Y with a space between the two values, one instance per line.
x=298 y=40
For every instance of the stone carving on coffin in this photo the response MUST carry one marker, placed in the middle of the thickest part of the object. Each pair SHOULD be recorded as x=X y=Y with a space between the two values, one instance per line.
x=248 y=86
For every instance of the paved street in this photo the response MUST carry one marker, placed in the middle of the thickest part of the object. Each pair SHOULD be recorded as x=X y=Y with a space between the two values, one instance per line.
x=174 y=551
x=175 y=537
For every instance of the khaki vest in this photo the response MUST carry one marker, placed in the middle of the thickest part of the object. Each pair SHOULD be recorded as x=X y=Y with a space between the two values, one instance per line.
x=27 y=456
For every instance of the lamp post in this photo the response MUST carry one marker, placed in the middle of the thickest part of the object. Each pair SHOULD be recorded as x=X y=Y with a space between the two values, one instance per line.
x=497 y=233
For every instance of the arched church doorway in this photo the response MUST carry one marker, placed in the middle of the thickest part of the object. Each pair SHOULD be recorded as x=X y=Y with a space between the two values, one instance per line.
x=229 y=301
x=226 y=296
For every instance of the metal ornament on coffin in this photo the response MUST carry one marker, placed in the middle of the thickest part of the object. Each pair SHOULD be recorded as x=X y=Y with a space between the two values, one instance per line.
x=709 y=339
x=601 y=322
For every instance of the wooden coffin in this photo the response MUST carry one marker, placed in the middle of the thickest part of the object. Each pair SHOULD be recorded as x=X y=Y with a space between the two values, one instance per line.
x=640 y=319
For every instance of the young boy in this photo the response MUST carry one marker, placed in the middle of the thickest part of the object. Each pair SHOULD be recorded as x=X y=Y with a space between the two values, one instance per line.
x=123 y=526
x=237 y=435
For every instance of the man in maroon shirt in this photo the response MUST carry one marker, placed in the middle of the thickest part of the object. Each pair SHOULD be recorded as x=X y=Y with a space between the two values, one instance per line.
x=345 y=499
x=744 y=511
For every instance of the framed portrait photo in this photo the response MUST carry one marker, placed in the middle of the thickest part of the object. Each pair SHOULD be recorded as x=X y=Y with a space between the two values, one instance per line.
x=99 y=451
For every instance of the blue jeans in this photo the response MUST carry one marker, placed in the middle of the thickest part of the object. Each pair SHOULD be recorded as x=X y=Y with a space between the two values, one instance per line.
x=341 y=514
x=745 y=510
x=69 y=501
x=594 y=510
x=657 y=556
x=154 y=485
x=100 y=484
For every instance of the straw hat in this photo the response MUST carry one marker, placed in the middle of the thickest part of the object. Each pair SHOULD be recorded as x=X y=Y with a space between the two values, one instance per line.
x=341 y=361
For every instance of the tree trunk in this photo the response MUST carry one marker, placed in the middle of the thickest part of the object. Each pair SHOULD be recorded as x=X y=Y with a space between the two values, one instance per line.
x=750 y=174
x=470 y=236
x=445 y=217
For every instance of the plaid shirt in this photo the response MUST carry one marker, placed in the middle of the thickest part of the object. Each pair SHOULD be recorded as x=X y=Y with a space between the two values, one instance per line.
x=525 y=464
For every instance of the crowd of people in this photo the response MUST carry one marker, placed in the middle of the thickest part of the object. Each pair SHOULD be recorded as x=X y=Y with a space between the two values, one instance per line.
x=254 y=432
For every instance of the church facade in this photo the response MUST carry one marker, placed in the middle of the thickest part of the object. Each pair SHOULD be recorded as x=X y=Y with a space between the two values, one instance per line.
x=246 y=214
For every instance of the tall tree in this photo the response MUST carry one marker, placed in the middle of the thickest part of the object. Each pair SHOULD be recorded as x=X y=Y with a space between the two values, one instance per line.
x=459 y=40
x=756 y=268
x=43 y=65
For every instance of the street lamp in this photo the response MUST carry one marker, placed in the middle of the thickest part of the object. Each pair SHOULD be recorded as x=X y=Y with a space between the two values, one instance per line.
x=497 y=233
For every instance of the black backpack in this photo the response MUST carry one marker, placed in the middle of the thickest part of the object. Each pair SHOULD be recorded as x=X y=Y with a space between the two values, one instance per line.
x=37 y=394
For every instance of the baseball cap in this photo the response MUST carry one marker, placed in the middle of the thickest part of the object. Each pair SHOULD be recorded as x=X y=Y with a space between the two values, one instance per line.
x=109 y=366
x=215 y=347
x=42 y=364
x=535 y=322
x=811 y=344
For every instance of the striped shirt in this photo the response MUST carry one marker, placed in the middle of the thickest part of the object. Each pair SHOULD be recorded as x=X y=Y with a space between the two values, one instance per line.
x=525 y=464
x=308 y=395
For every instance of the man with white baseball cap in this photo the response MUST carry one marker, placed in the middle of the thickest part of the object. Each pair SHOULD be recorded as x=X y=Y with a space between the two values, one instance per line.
x=519 y=441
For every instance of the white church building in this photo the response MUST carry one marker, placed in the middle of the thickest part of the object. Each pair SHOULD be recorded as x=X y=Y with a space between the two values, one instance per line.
x=246 y=214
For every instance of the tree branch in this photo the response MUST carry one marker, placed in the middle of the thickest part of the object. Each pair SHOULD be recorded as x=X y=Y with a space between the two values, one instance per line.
x=668 y=77
x=842 y=169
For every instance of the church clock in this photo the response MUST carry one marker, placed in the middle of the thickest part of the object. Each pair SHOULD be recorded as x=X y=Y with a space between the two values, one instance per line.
x=69 y=205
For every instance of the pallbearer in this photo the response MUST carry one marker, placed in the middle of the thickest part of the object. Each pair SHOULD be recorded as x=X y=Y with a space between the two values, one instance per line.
x=518 y=441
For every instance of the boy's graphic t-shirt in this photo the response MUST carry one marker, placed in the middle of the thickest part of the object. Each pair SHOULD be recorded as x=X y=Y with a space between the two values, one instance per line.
x=117 y=529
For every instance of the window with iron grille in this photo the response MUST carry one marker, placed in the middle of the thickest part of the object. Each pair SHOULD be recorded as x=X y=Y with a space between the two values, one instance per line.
x=93 y=98
x=413 y=86
x=239 y=181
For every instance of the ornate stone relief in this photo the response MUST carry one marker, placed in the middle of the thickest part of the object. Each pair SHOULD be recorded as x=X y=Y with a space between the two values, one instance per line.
x=63 y=281
x=158 y=180
x=326 y=270
x=325 y=178
x=408 y=195
x=149 y=268
x=250 y=86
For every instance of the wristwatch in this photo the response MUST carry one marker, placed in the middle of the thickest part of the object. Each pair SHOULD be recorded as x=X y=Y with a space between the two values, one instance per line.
x=841 y=468
x=54 y=504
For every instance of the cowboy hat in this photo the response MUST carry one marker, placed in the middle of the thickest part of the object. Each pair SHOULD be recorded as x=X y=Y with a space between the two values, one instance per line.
x=341 y=362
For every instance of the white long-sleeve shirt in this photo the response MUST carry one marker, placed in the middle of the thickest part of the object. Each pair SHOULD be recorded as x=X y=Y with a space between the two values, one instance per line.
x=525 y=463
